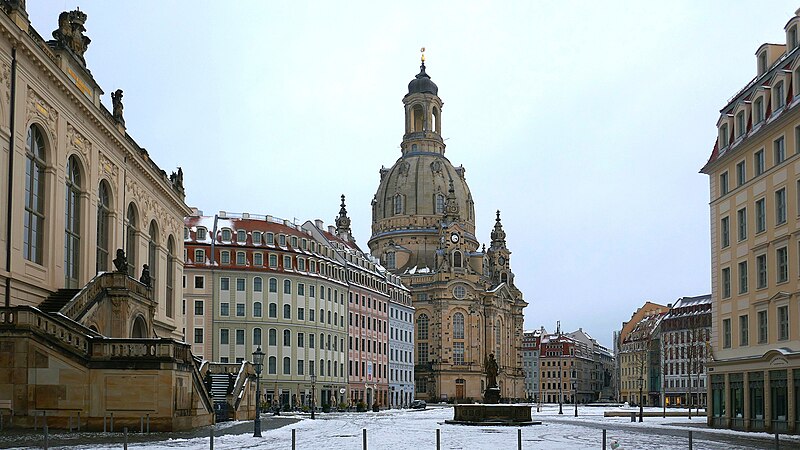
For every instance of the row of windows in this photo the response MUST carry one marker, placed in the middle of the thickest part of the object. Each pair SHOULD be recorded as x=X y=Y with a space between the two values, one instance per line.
x=762 y=327
x=327 y=342
x=368 y=302
x=259 y=237
x=302 y=264
x=35 y=220
x=760 y=218
x=400 y=335
x=759 y=163
x=272 y=286
x=781 y=272
x=380 y=369
x=374 y=324
x=367 y=345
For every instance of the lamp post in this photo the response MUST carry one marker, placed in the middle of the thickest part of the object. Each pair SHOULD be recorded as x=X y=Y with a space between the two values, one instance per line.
x=258 y=361
x=575 y=391
x=313 y=393
x=641 y=406
x=560 y=383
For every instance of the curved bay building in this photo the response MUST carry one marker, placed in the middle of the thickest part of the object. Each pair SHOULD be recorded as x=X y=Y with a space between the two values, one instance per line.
x=423 y=229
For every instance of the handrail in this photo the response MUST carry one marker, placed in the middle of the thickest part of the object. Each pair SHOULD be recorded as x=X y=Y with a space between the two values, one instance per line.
x=76 y=308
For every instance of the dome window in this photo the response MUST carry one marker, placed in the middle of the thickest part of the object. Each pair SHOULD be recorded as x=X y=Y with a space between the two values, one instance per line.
x=439 y=204
x=458 y=260
x=398 y=204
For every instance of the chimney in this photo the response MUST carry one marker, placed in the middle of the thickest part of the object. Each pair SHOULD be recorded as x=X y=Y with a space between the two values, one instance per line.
x=223 y=215
x=319 y=223
x=331 y=229
x=245 y=215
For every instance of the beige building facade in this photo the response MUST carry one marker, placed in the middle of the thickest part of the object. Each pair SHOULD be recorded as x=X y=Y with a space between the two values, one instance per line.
x=423 y=229
x=754 y=181
x=635 y=346
x=75 y=335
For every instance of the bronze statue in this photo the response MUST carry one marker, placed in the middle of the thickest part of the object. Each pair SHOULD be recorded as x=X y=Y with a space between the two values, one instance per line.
x=121 y=262
x=116 y=101
x=145 y=278
x=491 y=371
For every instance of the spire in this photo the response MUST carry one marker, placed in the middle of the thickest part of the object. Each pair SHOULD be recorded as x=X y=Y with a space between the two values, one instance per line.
x=451 y=204
x=343 y=223
x=498 y=235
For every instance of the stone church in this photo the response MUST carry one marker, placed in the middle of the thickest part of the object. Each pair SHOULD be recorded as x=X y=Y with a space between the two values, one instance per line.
x=423 y=229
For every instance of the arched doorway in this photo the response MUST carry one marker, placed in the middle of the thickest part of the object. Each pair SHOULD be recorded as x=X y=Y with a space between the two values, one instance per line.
x=139 y=329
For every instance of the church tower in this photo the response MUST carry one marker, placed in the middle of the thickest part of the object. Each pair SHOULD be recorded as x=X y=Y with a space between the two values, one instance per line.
x=423 y=229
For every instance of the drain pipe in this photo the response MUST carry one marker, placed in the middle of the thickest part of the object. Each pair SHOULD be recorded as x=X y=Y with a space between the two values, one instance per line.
x=10 y=172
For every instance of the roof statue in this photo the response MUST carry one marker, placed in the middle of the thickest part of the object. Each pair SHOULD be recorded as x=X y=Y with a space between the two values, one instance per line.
x=70 y=32
x=116 y=102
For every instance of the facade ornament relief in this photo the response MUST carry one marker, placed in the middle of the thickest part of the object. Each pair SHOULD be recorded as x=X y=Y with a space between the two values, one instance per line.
x=78 y=142
x=37 y=107
x=108 y=168
x=404 y=167
x=5 y=79
x=436 y=167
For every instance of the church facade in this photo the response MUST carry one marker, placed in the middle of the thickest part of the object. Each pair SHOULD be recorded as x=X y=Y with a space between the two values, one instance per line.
x=423 y=229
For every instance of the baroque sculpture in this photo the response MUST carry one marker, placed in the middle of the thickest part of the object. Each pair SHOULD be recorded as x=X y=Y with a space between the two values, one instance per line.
x=121 y=262
x=116 y=102
x=70 y=32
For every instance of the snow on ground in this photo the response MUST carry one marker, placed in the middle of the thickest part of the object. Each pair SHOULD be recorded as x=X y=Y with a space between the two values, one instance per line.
x=410 y=429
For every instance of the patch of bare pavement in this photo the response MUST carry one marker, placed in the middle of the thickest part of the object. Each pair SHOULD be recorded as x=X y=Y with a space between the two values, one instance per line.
x=19 y=438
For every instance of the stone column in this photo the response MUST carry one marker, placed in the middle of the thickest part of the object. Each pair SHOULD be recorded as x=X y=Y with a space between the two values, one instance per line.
x=790 y=418
x=767 y=403
x=746 y=388
x=727 y=396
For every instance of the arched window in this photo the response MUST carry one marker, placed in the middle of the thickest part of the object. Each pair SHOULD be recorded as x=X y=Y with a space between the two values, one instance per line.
x=152 y=256
x=504 y=277
x=170 y=291
x=439 y=203
x=72 y=223
x=273 y=337
x=131 y=231
x=287 y=338
x=257 y=309
x=241 y=236
x=398 y=204
x=103 y=226
x=34 y=196
x=458 y=326
x=437 y=124
x=497 y=341
x=287 y=365
x=287 y=311
x=258 y=284
x=287 y=286
x=391 y=262
x=780 y=95
x=273 y=285
x=418 y=118
x=257 y=336
x=271 y=367
x=457 y=259
x=422 y=326
x=273 y=310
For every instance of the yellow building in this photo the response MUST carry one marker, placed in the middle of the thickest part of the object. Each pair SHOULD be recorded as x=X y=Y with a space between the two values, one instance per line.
x=754 y=179
x=423 y=229
x=633 y=353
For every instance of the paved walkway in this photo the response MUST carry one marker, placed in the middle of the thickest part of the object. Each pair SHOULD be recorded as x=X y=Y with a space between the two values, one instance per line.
x=17 y=438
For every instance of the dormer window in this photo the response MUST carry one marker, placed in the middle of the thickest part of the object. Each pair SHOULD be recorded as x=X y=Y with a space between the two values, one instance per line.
x=723 y=135
x=758 y=110
x=241 y=236
x=185 y=233
x=201 y=234
x=740 y=124
x=282 y=240
x=270 y=239
x=762 y=62
x=226 y=235
x=791 y=38
x=256 y=237
x=780 y=95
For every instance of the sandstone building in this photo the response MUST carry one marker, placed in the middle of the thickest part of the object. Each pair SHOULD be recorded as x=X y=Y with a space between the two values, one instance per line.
x=754 y=187
x=423 y=229
x=76 y=330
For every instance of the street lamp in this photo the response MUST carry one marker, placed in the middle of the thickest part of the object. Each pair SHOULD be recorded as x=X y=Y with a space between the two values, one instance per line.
x=313 y=393
x=258 y=362
x=560 y=383
x=641 y=405
x=575 y=391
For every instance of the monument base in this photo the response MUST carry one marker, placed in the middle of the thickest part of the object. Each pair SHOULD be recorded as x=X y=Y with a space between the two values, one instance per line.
x=491 y=396
x=483 y=414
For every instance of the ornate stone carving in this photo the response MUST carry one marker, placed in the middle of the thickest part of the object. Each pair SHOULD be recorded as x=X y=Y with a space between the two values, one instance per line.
x=70 y=32
x=108 y=168
x=116 y=102
x=37 y=107
x=404 y=167
x=436 y=166
x=78 y=142
x=5 y=79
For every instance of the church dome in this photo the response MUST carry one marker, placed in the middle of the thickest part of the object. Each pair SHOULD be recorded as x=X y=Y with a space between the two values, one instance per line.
x=422 y=84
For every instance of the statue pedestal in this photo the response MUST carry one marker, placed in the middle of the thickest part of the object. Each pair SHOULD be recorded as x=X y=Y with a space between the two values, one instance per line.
x=491 y=396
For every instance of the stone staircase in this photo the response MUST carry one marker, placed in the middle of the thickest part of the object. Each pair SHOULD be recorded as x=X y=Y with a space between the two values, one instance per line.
x=58 y=300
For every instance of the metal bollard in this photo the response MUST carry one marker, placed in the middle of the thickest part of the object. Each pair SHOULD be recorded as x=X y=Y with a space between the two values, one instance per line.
x=364 y=445
x=633 y=417
x=211 y=442
x=690 y=439
x=777 y=442
x=604 y=439
x=148 y=423
x=141 y=424
x=438 y=439
x=125 y=442
x=44 y=418
x=294 y=430
x=35 y=421
x=112 y=422
x=104 y=422
x=46 y=438
x=519 y=438
x=79 y=421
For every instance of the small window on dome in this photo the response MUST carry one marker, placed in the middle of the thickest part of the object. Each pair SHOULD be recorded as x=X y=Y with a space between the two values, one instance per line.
x=439 y=204
x=398 y=204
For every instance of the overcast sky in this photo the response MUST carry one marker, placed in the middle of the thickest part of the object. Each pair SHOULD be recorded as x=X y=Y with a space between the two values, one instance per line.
x=585 y=123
